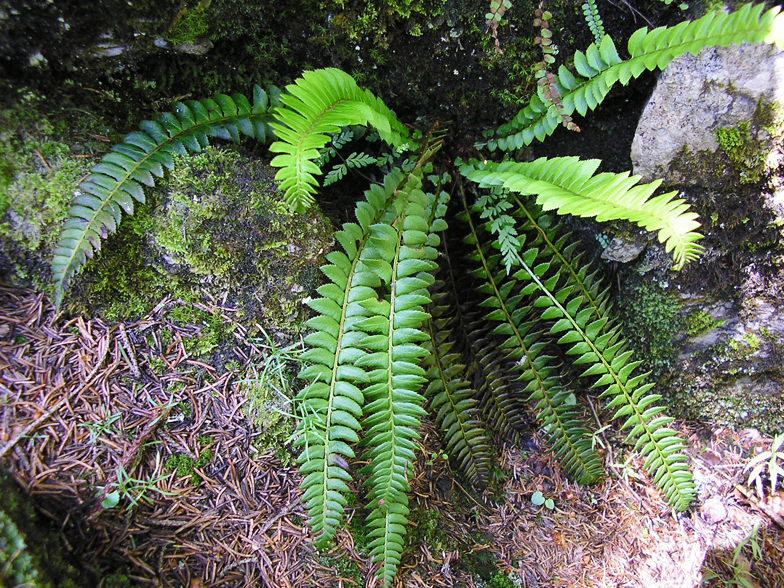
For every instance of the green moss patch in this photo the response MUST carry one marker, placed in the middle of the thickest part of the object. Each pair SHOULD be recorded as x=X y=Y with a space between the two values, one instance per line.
x=43 y=155
x=216 y=227
x=652 y=322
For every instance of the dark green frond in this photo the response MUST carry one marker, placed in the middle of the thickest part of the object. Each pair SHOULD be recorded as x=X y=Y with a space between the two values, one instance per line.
x=453 y=400
x=600 y=351
x=525 y=352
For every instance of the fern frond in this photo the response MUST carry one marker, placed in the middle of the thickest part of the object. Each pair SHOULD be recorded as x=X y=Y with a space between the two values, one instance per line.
x=453 y=400
x=119 y=178
x=600 y=67
x=317 y=105
x=585 y=335
x=353 y=161
x=332 y=403
x=594 y=20
x=525 y=347
x=568 y=185
x=402 y=254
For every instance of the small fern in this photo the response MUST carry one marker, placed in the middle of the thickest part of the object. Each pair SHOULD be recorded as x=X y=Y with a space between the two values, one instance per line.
x=353 y=161
x=594 y=20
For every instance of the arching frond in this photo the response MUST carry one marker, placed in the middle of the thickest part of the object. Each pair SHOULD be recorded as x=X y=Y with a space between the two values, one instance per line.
x=121 y=176
x=568 y=185
x=317 y=105
x=599 y=68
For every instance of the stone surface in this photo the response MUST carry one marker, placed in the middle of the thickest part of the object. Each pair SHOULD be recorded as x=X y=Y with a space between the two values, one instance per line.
x=622 y=251
x=720 y=87
x=728 y=351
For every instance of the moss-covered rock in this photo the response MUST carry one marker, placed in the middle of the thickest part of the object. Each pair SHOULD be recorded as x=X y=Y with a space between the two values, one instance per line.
x=216 y=227
x=44 y=150
x=724 y=151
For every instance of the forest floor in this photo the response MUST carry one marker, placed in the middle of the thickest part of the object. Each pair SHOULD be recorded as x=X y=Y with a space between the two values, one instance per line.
x=93 y=413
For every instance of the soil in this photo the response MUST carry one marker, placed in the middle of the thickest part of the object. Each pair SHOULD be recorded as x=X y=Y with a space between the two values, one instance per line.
x=236 y=519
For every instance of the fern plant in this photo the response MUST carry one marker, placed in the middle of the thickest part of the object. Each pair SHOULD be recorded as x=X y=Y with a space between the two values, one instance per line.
x=395 y=332
x=594 y=20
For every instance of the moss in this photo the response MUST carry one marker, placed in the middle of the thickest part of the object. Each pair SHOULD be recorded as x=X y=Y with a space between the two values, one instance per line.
x=501 y=580
x=122 y=283
x=223 y=223
x=216 y=225
x=117 y=580
x=190 y=25
x=699 y=322
x=40 y=165
x=742 y=348
x=428 y=529
x=744 y=150
x=737 y=383
x=269 y=408
x=185 y=465
x=213 y=331
x=343 y=568
x=652 y=322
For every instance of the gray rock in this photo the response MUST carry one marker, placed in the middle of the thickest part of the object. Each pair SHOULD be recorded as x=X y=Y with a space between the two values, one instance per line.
x=622 y=251
x=726 y=369
x=720 y=87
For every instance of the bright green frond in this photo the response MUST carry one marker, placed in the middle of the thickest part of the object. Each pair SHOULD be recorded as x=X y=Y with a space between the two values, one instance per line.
x=568 y=185
x=316 y=106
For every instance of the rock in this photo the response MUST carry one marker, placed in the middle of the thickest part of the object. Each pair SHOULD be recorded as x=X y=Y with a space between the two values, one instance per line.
x=714 y=511
x=622 y=251
x=713 y=130
x=696 y=96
